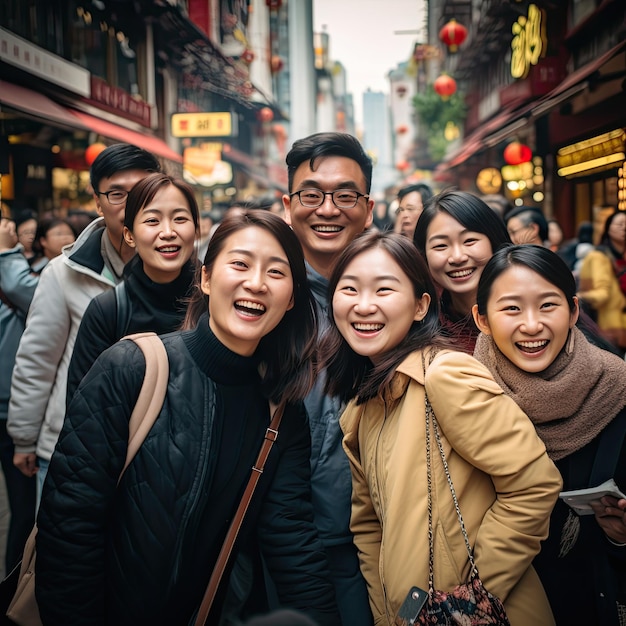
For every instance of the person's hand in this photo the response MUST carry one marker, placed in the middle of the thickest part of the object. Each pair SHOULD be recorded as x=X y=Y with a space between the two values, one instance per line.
x=8 y=235
x=610 y=513
x=26 y=463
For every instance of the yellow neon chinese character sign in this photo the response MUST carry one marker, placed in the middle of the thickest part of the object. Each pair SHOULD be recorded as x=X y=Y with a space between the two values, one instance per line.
x=529 y=41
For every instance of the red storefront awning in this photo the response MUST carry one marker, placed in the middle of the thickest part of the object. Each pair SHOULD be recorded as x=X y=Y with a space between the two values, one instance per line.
x=35 y=104
x=114 y=131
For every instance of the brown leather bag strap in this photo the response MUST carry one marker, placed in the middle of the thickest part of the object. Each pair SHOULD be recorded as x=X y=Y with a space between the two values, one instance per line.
x=271 y=434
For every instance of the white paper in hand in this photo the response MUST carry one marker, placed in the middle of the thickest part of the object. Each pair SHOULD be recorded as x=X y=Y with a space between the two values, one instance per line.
x=579 y=499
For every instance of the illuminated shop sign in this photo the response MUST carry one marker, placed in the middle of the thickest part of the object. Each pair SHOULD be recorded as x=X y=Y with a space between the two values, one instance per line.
x=529 y=41
x=203 y=125
x=595 y=154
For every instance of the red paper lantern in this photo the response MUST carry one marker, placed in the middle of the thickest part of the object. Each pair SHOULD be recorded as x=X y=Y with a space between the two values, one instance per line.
x=247 y=56
x=453 y=35
x=265 y=115
x=403 y=165
x=93 y=151
x=402 y=129
x=516 y=153
x=276 y=64
x=445 y=86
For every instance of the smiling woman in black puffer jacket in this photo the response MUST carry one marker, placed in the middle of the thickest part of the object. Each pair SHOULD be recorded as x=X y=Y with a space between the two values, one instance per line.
x=142 y=552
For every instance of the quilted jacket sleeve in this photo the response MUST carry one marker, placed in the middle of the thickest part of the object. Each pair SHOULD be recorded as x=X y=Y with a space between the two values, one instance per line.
x=96 y=333
x=80 y=489
x=287 y=535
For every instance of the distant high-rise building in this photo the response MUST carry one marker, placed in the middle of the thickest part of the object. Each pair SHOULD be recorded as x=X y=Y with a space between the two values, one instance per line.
x=377 y=139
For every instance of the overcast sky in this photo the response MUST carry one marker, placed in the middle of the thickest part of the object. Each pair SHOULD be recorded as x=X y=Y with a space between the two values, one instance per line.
x=363 y=38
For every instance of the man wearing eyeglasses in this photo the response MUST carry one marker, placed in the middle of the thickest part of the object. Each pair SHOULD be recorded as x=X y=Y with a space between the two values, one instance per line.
x=328 y=205
x=89 y=266
x=411 y=201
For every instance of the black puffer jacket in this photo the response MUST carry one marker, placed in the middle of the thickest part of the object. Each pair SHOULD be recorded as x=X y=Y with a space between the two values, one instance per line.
x=142 y=553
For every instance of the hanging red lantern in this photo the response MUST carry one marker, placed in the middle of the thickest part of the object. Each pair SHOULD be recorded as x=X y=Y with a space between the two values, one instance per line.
x=276 y=64
x=453 y=35
x=247 y=56
x=93 y=151
x=265 y=115
x=273 y=4
x=516 y=153
x=403 y=165
x=445 y=86
x=401 y=90
x=402 y=129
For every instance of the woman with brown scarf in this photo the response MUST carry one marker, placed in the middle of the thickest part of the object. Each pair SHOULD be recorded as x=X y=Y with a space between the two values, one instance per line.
x=575 y=394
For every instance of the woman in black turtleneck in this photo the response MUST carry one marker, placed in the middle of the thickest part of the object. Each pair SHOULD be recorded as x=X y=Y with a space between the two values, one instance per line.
x=142 y=552
x=161 y=223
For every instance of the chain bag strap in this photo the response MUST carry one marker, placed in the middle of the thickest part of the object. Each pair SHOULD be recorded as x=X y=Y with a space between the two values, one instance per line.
x=469 y=601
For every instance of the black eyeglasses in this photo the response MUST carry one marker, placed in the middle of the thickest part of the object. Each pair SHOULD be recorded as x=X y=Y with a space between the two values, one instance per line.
x=342 y=198
x=115 y=196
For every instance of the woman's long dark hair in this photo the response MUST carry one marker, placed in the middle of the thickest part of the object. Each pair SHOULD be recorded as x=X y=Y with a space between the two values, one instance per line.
x=350 y=374
x=287 y=353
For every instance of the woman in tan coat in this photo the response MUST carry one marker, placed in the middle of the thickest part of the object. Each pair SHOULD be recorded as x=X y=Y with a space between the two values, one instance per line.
x=384 y=334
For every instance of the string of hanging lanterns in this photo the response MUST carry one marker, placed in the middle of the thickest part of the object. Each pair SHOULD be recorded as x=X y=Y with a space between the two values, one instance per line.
x=452 y=35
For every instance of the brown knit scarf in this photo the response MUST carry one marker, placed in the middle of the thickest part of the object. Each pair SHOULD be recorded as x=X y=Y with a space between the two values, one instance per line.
x=572 y=400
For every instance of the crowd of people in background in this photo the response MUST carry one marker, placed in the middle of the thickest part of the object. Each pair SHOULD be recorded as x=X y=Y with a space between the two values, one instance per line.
x=377 y=329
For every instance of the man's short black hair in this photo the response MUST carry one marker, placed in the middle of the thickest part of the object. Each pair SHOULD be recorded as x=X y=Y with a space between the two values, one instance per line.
x=327 y=144
x=121 y=157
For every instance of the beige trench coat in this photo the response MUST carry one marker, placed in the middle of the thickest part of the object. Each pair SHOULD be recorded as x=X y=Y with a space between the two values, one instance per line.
x=505 y=483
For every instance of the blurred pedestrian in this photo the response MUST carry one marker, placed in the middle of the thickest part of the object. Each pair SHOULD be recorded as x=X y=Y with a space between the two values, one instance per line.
x=53 y=234
x=381 y=218
x=527 y=224
x=26 y=227
x=93 y=264
x=411 y=202
x=17 y=287
x=555 y=235
x=204 y=233
x=603 y=280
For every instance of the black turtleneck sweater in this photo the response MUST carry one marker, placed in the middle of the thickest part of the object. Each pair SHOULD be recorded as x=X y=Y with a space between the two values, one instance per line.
x=157 y=307
x=240 y=420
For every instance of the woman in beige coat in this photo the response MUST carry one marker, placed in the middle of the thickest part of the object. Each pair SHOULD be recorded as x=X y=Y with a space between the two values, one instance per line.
x=385 y=328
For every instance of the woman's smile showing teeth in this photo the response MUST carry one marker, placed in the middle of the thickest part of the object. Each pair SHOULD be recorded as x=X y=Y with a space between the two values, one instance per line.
x=461 y=273
x=249 y=308
x=532 y=346
x=362 y=327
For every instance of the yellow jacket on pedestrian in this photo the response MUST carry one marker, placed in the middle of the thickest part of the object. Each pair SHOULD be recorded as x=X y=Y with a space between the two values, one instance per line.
x=600 y=288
